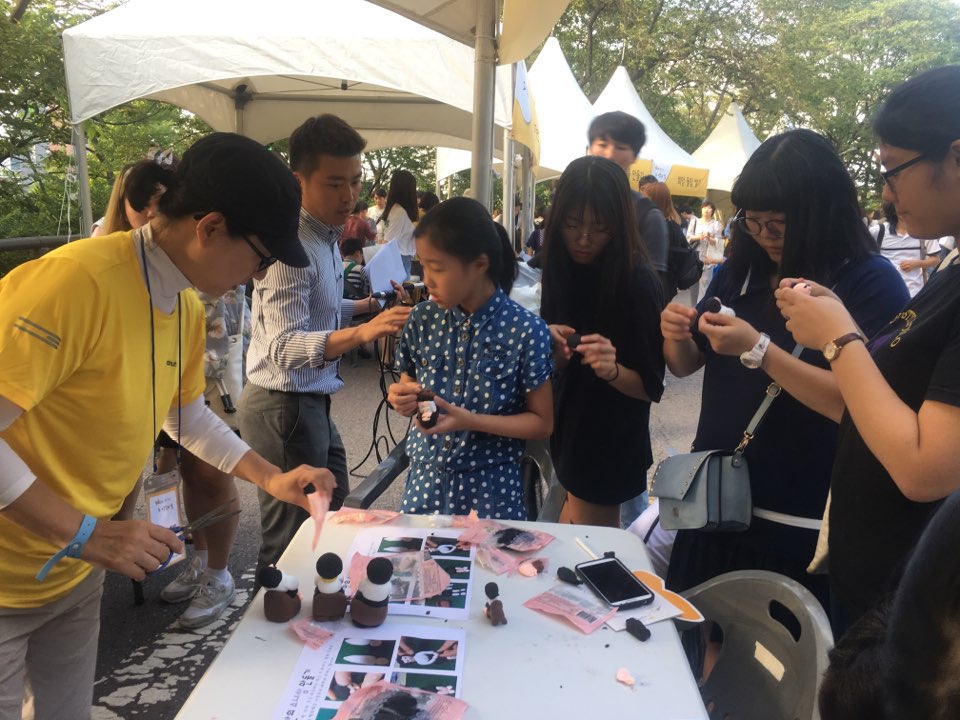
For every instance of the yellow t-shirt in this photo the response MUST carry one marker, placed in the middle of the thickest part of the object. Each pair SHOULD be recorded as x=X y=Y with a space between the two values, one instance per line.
x=75 y=355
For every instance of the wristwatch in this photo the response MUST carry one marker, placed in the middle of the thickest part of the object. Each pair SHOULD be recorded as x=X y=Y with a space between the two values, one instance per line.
x=754 y=356
x=831 y=351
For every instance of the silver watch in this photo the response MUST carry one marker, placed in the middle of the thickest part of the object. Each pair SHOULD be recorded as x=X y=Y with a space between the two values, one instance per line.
x=754 y=356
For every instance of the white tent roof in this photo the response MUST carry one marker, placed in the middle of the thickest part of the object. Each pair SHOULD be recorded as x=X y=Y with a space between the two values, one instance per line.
x=525 y=23
x=620 y=94
x=563 y=111
x=727 y=149
x=406 y=84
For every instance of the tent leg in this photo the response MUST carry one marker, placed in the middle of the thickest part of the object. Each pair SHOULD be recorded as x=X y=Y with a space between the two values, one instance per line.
x=509 y=188
x=526 y=194
x=83 y=175
x=484 y=87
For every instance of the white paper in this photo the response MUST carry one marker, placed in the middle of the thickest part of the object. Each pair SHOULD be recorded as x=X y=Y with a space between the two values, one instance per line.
x=369 y=251
x=659 y=609
x=454 y=602
x=417 y=656
x=385 y=266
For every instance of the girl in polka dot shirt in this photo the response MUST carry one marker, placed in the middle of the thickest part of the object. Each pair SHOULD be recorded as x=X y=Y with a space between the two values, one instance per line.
x=487 y=359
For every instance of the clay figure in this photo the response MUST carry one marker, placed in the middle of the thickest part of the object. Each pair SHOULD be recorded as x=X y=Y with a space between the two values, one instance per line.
x=370 y=604
x=281 y=599
x=426 y=408
x=329 y=600
x=494 y=608
x=573 y=341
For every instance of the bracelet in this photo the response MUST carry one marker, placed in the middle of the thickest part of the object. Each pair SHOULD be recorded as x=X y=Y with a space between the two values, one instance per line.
x=73 y=548
x=614 y=378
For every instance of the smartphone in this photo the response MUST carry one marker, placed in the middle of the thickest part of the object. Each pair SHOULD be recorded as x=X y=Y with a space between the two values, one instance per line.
x=613 y=583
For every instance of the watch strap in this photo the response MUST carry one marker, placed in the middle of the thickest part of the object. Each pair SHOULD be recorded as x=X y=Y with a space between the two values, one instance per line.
x=73 y=548
x=844 y=340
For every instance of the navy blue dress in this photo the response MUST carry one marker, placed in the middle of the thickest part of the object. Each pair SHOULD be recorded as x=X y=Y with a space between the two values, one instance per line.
x=792 y=453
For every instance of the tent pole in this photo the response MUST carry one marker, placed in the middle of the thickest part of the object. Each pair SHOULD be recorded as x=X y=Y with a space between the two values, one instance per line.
x=83 y=175
x=526 y=194
x=509 y=187
x=484 y=87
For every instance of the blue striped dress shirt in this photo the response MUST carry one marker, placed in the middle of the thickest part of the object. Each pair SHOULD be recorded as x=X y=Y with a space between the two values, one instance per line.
x=294 y=312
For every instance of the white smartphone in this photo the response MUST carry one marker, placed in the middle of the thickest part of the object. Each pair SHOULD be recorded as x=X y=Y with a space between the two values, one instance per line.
x=613 y=583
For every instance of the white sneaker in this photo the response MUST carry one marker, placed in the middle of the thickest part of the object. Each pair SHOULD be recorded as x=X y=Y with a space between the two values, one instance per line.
x=186 y=584
x=209 y=603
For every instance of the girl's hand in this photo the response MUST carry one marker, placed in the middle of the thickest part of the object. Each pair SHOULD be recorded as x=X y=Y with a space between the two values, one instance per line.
x=676 y=321
x=559 y=335
x=600 y=354
x=728 y=335
x=908 y=265
x=814 y=320
x=452 y=419
x=814 y=289
x=402 y=396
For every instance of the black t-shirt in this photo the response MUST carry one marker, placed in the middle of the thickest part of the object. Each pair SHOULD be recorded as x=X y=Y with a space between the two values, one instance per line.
x=872 y=525
x=601 y=437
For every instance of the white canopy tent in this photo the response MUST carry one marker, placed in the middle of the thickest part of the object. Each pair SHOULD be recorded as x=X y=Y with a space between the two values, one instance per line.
x=727 y=149
x=665 y=159
x=563 y=111
x=474 y=22
x=262 y=73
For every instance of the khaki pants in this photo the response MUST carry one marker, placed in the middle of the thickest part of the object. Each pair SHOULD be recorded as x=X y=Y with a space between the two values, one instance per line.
x=56 y=645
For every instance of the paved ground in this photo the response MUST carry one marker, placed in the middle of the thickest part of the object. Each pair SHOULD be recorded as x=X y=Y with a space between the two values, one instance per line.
x=148 y=665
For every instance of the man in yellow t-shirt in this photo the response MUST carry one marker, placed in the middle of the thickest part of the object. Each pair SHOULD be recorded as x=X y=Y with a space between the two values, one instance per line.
x=101 y=346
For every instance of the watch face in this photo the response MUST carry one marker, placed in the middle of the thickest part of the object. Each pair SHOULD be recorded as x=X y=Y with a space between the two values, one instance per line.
x=830 y=351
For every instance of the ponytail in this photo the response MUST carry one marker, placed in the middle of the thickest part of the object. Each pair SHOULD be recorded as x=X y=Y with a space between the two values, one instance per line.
x=463 y=228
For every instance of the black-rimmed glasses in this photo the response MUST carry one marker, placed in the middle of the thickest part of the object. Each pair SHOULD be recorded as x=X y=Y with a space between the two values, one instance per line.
x=888 y=175
x=265 y=260
x=775 y=228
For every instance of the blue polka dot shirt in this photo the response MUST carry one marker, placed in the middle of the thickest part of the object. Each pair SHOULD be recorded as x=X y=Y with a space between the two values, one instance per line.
x=485 y=362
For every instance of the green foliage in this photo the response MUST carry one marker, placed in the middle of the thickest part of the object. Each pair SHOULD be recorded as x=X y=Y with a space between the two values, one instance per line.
x=379 y=165
x=825 y=65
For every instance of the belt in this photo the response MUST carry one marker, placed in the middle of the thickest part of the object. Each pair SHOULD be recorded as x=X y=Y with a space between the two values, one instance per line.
x=791 y=520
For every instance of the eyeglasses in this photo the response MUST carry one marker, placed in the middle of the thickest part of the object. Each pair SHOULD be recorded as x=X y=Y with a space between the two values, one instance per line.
x=592 y=235
x=775 y=228
x=890 y=174
x=265 y=260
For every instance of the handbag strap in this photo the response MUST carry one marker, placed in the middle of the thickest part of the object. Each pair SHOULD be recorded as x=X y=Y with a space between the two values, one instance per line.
x=773 y=389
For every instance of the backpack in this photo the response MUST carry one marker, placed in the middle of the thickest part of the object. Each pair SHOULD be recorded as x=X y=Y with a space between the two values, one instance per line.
x=351 y=291
x=684 y=265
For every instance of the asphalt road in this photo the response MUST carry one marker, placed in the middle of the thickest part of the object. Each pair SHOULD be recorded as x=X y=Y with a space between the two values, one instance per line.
x=148 y=664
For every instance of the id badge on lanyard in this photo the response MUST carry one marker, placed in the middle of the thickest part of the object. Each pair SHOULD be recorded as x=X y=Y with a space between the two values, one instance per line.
x=162 y=498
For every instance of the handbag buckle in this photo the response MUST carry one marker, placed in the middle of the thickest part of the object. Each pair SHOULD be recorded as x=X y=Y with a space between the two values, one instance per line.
x=773 y=389
x=747 y=437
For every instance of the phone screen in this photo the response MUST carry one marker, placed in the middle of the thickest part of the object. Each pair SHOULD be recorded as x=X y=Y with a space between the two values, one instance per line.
x=614 y=582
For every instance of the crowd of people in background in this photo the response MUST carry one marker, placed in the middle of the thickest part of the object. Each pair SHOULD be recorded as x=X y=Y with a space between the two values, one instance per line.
x=852 y=320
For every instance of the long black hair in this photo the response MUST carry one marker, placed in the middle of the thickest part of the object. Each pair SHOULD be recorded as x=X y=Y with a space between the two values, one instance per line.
x=599 y=185
x=800 y=174
x=403 y=192
x=463 y=228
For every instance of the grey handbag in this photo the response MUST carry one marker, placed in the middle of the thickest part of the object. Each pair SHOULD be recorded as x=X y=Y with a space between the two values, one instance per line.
x=710 y=490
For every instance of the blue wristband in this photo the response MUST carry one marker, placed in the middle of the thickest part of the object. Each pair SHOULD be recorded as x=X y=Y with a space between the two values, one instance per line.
x=73 y=548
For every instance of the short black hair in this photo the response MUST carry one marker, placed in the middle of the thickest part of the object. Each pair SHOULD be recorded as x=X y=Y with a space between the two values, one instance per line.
x=322 y=135
x=350 y=245
x=923 y=114
x=647 y=180
x=620 y=127
x=380 y=192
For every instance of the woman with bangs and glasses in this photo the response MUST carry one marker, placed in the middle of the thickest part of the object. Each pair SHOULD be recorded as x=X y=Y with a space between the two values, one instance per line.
x=599 y=285
x=799 y=217
x=899 y=393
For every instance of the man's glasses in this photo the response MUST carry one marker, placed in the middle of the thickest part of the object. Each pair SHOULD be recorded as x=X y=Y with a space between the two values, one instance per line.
x=775 y=228
x=265 y=260
x=888 y=175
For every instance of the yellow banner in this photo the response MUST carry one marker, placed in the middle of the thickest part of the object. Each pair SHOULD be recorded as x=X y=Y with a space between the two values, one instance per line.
x=681 y=180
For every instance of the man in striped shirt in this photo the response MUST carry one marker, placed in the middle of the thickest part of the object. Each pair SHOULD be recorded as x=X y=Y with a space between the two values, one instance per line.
x=301 y=327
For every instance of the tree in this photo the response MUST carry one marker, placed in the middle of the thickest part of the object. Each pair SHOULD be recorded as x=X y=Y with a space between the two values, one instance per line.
x=379 y=165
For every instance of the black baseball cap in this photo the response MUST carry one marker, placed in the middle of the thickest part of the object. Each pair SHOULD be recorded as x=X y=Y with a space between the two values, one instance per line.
x=253 y=188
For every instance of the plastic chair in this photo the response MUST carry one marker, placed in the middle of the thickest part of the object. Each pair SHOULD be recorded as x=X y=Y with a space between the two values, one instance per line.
x=535 y=470
x=771 y=664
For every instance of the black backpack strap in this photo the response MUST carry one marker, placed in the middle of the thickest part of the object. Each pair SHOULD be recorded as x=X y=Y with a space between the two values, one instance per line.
x=880 y=234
